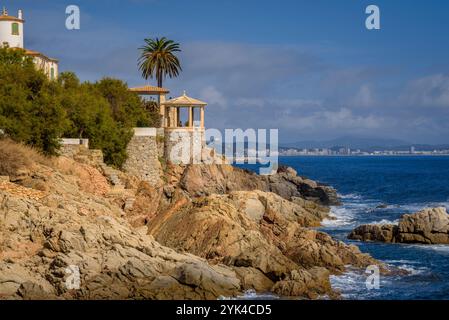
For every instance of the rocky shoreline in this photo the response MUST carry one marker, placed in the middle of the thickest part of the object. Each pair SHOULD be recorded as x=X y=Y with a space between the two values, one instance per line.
x=208 y=231
x=429 y=226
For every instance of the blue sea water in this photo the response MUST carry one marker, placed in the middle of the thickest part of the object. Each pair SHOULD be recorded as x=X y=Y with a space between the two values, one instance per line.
x=405 y=184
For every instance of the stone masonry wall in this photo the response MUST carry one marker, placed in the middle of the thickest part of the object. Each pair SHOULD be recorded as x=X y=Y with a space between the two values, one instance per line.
x=184 y=146
x=72 y=147
x=144 y=151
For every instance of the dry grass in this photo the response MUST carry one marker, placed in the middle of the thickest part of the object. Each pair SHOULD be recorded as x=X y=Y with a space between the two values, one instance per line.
x=15 y=157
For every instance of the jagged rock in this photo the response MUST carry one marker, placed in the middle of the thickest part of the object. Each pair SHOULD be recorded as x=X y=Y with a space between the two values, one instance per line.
x=209 y=231
x=310 y=284
x=202 y=180
x=383 y=233
x=256 y=230
x=429 y=226
x=40 y=238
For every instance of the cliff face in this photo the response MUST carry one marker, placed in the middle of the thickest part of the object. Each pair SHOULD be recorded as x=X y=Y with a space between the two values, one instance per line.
x=209 y=231
x=262 y=227
x=74 y=223
x=262 y=237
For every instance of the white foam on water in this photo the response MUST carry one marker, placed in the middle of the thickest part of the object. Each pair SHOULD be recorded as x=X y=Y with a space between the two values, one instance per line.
x=346 y=215
x=411 y=266
x=442 y=248
x=386 y=221
x=402 y=261
x=413 y=270
x=352 y=285
x=251 y=295
x=350 y=196
x=415 y=207
x=341 y=216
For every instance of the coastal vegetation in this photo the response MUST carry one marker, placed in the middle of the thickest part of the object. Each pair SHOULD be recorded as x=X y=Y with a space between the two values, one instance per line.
x=39 y=112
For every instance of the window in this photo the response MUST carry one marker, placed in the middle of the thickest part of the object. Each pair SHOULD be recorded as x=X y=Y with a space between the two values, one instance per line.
x=15 y=29
x=52 y=73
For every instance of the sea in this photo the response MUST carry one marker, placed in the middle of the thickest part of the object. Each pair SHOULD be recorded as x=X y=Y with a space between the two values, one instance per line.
x=380 y=189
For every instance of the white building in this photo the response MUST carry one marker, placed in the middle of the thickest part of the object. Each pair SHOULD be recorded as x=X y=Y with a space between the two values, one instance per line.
x=12 y=35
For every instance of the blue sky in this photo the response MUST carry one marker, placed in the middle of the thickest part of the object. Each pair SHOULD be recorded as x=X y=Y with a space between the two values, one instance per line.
x=309 y=68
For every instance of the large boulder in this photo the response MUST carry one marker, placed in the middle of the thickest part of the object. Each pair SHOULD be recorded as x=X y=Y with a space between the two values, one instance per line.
x=429 y=226
x=382 y=233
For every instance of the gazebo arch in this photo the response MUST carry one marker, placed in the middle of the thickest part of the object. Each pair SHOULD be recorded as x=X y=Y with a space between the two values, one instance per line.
x=172 y=109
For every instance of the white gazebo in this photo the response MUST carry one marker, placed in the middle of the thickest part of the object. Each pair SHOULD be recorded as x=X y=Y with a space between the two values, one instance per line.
x=173 y=108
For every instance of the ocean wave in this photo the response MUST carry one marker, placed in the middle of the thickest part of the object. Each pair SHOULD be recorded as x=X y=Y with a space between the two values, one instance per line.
x=341 y=216
x=411 y=266
x=413 y=270
x=441 y=248
x=346 y=215
x=350 y=196
x=401 y=261
x=252 y=295
x=415 y=207
x=386 y=221
x=352 y=285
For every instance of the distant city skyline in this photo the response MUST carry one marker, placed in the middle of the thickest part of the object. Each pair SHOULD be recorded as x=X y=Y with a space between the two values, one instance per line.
x=308 y=68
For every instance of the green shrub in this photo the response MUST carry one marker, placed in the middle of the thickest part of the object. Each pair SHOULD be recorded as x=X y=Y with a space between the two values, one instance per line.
x=38 y=112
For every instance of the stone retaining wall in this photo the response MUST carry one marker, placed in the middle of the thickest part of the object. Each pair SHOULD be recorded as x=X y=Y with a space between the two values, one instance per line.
x=144 y=152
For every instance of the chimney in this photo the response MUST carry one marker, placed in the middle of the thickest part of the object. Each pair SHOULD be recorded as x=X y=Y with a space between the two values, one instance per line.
x=20 y=14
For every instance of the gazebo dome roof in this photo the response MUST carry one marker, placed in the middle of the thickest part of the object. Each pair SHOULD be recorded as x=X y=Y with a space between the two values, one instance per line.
x=185 y=100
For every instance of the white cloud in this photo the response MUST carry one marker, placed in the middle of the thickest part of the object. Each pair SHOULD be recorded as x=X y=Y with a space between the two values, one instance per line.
x=363 y=98
x=278 y=103
x=212 y=96
x=343 y=118
x=429 y=91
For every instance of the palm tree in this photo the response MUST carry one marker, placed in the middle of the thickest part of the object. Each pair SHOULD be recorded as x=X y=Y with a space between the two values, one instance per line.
x=158 y=59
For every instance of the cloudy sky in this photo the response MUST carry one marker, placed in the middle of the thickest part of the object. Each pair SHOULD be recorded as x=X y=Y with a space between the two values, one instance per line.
x=308 y=68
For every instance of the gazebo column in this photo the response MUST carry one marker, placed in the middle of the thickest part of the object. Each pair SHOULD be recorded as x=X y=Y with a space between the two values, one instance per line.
x=167 y=117
x=162 y=109
x=178 y=111
x=202 y=117
x=191 y=117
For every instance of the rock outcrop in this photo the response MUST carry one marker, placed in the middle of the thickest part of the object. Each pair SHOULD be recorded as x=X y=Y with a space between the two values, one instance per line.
x=429 y=226
x=209 y=231
x=46 y=236
x=265 y=238
x=203 y=180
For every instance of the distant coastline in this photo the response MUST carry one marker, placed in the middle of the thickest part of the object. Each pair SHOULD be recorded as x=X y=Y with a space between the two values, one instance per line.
x=366 y=155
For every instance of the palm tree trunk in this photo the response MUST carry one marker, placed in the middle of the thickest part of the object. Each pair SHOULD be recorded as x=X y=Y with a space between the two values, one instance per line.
x=159 y=77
